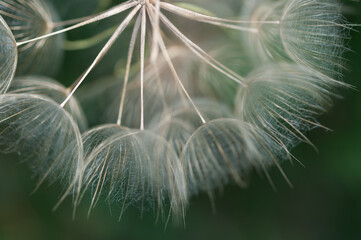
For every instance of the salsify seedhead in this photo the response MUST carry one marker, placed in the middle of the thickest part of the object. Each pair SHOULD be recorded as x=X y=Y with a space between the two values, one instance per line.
x=206 y=94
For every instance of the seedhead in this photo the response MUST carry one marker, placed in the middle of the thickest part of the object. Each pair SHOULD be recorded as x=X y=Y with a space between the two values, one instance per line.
x=199 y=101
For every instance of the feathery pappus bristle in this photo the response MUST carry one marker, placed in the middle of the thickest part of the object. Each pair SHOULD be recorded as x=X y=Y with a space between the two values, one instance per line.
x=180 y=121
x=308 y=32
x=133 y=168
x=225 y=150
x=284 y=100
x=49 y=88
x=39 y=131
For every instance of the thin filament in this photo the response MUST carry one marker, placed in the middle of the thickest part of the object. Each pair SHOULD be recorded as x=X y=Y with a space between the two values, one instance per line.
x=205 y=18
x=142 y=53
x=172 y=68
x=203 y=54
x=127 y=69
x=155 y=47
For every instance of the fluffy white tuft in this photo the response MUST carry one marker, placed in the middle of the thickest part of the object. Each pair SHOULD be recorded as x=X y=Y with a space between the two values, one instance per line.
x=310 y=33
x=133 y=168
x=39 y=130
x=225 y=150
x=181 y=121
x=49 y=88
x=284 y=100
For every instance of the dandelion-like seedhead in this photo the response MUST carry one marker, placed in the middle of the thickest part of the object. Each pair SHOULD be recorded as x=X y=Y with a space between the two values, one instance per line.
x=206 y=94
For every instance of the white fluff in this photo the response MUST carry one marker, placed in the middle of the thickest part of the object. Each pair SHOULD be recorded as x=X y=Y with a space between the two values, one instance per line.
x=133 y=167
x=40 y=132
x=49 y=88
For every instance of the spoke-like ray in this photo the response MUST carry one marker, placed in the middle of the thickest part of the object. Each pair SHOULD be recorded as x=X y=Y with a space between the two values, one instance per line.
x=142 y=56
x=201 y=53
x=109 y=13
x=127 y=68
x=104 y=51
x=172 y=68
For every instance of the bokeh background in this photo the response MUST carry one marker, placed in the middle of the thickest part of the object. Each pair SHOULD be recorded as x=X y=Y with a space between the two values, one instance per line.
x=325 y=202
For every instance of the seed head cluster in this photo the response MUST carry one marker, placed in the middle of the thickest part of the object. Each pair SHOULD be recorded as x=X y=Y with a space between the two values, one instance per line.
x=198 y=101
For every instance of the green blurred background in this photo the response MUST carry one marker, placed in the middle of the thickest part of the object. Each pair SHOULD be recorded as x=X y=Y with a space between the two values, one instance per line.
x=325 y=202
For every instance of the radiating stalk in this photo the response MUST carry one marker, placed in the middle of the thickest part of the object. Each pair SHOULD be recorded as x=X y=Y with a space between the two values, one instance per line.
x=127 y=68
x=104 y=51
x=227 y=23
x=109 y=13
x=203 y=54
x=142 y=53
x=172 y=68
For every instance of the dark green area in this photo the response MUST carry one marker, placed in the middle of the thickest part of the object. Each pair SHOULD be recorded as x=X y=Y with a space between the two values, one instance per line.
x=325 y=202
